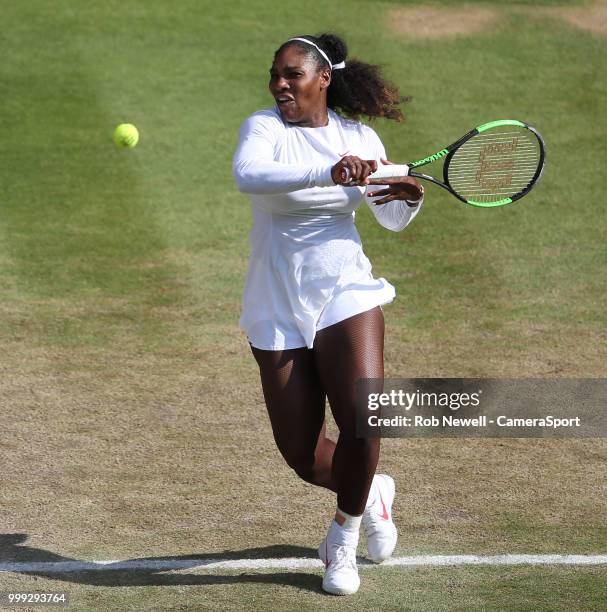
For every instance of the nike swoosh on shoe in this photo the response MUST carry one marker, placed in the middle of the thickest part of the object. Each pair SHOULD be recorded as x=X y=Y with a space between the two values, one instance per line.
x=385 y=514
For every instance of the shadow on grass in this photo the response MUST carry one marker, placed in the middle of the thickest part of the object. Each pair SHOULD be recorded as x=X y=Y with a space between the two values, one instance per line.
x=98 y=574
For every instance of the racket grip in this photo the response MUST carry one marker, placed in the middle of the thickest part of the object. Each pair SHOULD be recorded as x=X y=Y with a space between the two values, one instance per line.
x=387 y=171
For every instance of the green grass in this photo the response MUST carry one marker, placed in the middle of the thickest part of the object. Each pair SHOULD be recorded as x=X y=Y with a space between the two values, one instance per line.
x=130 y=404
x=83 y=221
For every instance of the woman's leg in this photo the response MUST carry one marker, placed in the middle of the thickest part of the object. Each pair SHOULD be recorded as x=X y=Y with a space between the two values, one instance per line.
x=295 y=399
x=344 y=353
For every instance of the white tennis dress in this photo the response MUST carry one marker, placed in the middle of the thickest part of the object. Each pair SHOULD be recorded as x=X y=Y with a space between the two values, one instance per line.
x=307 y=268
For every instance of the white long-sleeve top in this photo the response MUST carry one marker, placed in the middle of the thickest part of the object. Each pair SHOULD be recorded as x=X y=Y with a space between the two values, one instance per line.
x=305 y=249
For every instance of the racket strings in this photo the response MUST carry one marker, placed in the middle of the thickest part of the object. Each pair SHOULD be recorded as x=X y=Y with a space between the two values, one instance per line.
x=495 y=165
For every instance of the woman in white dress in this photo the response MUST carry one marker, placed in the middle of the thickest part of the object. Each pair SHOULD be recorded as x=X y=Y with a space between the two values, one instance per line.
x=311 y=307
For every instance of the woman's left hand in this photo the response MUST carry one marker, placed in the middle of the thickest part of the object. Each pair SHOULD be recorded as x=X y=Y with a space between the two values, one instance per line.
x=405 y=188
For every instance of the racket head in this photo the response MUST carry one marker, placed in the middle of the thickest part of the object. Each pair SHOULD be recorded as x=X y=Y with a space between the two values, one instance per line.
x=495 y=164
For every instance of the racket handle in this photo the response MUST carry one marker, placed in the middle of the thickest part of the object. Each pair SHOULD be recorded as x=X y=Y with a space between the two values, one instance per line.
x=387 y=171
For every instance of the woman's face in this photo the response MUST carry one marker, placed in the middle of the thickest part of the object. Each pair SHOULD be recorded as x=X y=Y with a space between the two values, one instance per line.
x=299 y=90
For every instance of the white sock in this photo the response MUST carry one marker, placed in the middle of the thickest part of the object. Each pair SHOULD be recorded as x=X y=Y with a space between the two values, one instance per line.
x=347 y=533
x=350 y=521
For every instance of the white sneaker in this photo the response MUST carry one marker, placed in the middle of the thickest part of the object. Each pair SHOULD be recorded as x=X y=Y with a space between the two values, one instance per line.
x=377 y=520
x=341 y=573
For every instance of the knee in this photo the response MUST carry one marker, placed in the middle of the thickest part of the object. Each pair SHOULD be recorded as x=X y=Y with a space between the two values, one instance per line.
x=364 y=446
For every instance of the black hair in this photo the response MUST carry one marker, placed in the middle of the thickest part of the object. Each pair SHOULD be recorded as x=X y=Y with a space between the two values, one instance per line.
x=359 y=88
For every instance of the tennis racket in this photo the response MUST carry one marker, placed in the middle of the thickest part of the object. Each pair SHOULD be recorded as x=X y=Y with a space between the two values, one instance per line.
x=492 y=165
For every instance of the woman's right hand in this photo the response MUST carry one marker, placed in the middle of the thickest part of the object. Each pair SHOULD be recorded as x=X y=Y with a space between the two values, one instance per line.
x=359 y=169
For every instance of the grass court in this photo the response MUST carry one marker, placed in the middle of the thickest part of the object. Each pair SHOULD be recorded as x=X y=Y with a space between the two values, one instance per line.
x=132 y=417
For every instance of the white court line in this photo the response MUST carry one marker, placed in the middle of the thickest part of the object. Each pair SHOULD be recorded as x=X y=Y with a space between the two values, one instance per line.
x=163 y=565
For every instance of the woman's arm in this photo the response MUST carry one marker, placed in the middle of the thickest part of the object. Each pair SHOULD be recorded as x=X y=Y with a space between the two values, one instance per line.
x=256 y=171
x=393 y=214
x=396 y=214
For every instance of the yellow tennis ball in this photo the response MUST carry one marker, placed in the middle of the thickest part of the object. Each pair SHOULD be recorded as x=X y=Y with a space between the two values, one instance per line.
x=126 y=135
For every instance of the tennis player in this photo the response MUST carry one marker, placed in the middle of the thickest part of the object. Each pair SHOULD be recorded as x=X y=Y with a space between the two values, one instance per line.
x=312 y=308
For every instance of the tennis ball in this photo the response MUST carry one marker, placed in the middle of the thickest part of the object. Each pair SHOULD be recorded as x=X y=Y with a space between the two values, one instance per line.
x=126 y=135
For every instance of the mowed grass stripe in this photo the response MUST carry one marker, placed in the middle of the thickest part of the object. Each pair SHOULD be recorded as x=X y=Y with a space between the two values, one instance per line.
x=82 y=258
x=512 y=277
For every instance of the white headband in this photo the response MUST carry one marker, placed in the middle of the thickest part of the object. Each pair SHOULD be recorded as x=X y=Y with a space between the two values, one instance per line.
x=333 y=66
